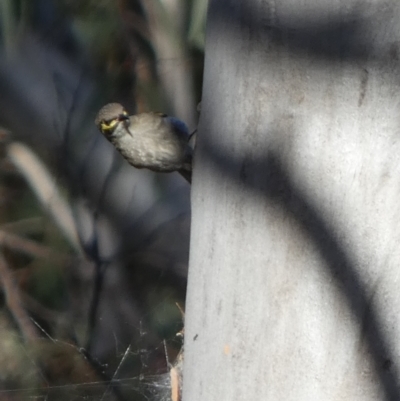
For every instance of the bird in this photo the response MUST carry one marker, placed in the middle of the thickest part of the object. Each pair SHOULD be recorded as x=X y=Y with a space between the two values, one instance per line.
x=150 y=140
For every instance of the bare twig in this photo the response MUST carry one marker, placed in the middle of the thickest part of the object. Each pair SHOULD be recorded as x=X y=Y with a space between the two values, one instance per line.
x=29 y=247
x=41 y=311
x=43 y=185
x=14 y=303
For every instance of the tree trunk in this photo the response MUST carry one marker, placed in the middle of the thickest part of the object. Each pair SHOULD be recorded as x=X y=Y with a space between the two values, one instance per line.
x=295 y=265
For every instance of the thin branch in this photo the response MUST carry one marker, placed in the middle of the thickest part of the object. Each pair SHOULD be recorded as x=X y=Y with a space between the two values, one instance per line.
x=43 y=185
x=29 y=247
x=94 y=305
x=14 y=302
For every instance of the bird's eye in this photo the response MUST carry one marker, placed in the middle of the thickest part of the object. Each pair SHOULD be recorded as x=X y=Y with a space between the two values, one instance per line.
x=123 y=116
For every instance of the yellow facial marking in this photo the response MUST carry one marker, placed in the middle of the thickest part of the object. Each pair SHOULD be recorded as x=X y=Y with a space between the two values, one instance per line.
x=108 y=126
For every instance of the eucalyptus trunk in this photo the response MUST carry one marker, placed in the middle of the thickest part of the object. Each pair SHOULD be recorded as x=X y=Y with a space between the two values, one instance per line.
x=295 y=260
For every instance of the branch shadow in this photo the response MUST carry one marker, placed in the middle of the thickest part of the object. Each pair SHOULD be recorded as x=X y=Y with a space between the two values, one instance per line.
x=276 y=186
x=350 y=34
x=356 y=38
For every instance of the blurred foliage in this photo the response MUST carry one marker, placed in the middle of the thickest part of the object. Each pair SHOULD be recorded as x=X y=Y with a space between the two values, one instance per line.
x=57 y=341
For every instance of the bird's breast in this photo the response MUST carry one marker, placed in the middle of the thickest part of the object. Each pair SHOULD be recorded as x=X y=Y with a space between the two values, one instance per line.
x=149 y=149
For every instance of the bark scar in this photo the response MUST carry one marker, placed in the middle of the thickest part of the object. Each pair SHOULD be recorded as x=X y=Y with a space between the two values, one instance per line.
x=363 y=86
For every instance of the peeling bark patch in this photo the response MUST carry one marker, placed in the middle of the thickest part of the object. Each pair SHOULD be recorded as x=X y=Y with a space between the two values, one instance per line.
x=363 y=87
x=175 y=385
x=227 y=349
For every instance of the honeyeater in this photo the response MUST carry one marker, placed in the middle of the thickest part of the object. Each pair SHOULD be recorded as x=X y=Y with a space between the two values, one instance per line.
x=148 y=140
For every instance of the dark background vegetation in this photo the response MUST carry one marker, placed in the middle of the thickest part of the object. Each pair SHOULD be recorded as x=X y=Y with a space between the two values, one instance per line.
x=94 y=253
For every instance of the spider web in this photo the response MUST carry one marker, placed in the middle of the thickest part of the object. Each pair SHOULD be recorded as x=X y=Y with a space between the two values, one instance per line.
x=81 y=385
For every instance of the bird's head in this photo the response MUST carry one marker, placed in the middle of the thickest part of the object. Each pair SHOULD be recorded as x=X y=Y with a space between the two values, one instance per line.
x=109 y=117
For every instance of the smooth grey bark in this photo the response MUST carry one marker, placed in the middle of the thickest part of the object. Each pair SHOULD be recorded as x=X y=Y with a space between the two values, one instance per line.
x=294 y=263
